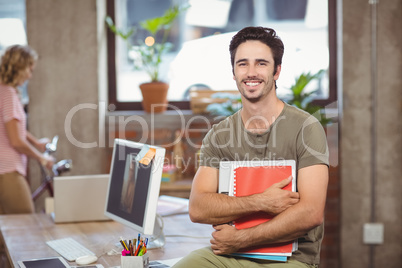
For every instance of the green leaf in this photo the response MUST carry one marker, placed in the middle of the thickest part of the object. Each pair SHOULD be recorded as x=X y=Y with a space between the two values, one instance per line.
x=152 y=25
x=151 y=56
x=303 y=100
x=116 y=31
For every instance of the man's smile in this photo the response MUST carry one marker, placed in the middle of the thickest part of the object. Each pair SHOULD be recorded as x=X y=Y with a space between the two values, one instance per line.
x=252 y=83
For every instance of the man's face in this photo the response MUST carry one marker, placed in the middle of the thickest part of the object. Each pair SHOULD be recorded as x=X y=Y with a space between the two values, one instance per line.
x=254 y=70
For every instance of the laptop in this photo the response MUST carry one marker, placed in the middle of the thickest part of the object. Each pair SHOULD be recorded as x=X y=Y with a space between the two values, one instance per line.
x=80 y=198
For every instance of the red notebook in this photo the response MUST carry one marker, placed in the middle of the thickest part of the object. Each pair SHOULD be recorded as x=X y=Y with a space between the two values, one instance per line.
x=248 y=180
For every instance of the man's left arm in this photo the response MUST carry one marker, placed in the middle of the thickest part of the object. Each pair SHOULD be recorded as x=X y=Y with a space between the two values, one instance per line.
x=293 y=223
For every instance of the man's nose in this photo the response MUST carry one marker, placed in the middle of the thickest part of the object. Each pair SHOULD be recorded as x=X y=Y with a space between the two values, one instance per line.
x=252 y=70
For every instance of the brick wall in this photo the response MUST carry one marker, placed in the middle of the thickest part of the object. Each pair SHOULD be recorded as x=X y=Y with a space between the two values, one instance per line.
x=330 y=251
x=331 y=241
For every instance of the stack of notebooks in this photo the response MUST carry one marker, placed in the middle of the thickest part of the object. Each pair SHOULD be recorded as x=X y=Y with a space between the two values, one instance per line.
x=243 y=178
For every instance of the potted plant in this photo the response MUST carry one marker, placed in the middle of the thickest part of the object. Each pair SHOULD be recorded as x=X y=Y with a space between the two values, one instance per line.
x=150 y=53
x=303 y=100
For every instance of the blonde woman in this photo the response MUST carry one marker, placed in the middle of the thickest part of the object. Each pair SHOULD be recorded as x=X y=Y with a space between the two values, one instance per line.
x=16 y=143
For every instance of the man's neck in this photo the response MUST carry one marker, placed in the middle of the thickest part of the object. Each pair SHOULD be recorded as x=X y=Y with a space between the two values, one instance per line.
x=258 y=117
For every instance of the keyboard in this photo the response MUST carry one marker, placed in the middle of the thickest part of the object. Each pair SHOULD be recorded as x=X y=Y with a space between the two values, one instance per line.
x=69 y=248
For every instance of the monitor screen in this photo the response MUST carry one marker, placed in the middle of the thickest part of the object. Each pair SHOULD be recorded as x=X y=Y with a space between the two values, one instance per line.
x=135 y=178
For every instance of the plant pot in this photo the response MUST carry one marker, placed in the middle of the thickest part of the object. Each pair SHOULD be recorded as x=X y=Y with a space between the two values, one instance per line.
x=154 y=97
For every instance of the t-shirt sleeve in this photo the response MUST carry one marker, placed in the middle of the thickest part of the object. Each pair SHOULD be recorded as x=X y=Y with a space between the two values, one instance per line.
x=10 y=105
x=312 y=147
x=209 y=154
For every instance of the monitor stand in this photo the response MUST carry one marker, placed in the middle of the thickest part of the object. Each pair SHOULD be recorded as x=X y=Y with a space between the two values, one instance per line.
x=157 y=240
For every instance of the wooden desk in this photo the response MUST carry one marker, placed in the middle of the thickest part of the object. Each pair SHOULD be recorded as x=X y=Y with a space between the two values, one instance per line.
x=25 y=235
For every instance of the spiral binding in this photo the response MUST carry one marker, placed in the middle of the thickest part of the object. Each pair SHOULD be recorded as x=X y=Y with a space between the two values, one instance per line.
x=234 y=182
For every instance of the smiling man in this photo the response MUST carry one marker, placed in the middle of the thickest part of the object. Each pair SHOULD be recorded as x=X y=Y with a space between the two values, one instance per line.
x=265 y=128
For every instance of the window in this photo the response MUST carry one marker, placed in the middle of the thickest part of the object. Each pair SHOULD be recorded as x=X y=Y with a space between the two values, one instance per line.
x=12 y=31
x=201 y=36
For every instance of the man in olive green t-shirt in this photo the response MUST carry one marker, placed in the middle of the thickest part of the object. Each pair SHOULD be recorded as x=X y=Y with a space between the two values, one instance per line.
x=264 y=129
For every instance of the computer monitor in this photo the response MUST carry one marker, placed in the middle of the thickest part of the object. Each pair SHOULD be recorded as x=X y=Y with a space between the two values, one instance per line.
x=133 y=191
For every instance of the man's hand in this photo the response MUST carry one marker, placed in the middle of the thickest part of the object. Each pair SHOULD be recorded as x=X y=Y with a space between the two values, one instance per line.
x=275 y=200
x=226 y=239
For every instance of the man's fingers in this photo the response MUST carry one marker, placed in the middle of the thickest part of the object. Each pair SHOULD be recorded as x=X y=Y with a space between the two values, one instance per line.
x=294 y=195
x=284 y=182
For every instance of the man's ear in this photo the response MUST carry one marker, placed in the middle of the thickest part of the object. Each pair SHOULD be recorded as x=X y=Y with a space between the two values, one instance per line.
x=278 y=72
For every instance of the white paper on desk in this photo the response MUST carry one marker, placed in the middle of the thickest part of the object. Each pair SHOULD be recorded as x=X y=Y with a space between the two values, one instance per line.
x=161 y=263
x=170 y=205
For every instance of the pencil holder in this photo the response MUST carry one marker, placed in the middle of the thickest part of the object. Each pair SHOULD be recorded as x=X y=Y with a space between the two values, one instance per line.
x=135 y=261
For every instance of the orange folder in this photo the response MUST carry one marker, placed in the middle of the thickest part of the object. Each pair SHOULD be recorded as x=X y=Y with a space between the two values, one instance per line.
x=253 y=180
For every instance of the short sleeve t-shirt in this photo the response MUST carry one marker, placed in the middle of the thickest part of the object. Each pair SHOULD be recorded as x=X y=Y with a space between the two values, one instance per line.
x=294 y=135
x=11 y=108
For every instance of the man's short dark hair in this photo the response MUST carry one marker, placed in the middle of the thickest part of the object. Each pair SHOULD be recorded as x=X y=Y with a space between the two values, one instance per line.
x=265 y=35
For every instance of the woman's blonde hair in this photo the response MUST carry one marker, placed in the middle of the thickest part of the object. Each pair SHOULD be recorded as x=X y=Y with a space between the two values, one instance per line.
x=15 y=60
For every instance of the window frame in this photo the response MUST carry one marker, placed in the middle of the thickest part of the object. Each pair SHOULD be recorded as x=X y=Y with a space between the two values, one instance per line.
x=185 y=105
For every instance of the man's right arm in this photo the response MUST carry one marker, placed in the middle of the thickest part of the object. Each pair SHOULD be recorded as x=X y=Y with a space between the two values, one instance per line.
x=210 y=207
